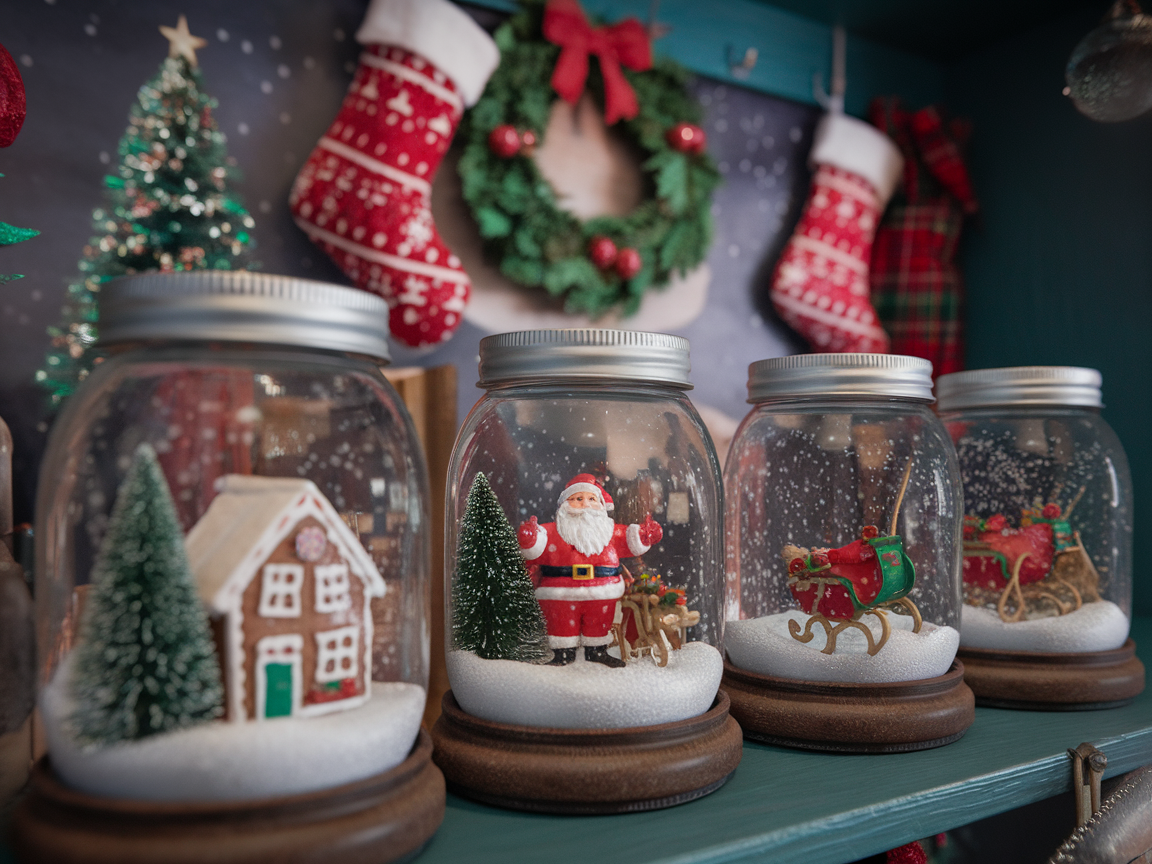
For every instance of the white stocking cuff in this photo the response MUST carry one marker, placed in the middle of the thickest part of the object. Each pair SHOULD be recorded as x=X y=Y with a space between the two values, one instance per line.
x=853 y=145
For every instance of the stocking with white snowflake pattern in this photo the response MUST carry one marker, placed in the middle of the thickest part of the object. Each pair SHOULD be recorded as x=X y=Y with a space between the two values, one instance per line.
x=364 y=194
x=820 y=287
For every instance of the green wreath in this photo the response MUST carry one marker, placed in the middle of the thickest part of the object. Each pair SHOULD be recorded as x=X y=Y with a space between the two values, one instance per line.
x=539 y=245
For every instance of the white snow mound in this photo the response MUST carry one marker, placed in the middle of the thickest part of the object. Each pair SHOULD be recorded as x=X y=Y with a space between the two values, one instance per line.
x=585 y=695
x=1099 y=626
x=764 y=645
x=220 y=761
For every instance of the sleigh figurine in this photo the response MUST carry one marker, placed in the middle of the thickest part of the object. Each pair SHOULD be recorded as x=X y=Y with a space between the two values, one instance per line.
x=1037 y=570
x=651 y=619
x=838 y=587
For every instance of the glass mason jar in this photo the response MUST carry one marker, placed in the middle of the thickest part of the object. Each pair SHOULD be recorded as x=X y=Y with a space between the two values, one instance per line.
x=232 y=546
x=1047 y=510
x=843 y=523
x=599 y=475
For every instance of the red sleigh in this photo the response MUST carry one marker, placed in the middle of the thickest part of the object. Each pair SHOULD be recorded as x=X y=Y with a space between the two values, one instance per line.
x=653 y=619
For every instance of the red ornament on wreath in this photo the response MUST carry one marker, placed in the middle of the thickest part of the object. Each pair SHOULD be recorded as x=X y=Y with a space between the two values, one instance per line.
x=687 y=138
x=628 y=263
x=504 y=141
x=602 y=251
x=12 y=104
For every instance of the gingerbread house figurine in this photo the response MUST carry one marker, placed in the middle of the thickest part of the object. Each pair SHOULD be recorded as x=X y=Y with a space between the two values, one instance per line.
x=288 y=587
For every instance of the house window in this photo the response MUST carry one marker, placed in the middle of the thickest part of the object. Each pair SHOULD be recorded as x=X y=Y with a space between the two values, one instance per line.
x=336 y=653
x=333 y=592
x=280 y=592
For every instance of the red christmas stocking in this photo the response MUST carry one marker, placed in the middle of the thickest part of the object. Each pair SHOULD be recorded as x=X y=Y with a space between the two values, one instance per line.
x=820 y=287
x=364 y=194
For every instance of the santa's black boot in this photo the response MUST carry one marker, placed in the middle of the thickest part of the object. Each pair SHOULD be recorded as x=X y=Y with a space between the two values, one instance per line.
x=599 y=654
x=562 y=656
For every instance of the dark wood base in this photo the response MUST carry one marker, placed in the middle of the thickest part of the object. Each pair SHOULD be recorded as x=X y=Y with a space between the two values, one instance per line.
x=1038 y=681
x=586 y=771
x=385 y=818
x=851 y=718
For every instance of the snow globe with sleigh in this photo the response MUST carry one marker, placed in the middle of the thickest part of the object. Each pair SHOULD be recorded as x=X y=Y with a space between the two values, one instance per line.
x=583 y=573
x=1047 y=539
x=232 y=580
x=843 y=509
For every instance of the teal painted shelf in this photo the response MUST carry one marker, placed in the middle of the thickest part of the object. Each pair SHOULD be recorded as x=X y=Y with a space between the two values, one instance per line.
x=786 y=806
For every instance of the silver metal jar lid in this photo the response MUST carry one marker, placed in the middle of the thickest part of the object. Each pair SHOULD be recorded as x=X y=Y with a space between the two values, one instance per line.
x=1020 y=385
x=624 y=355
x=840 y=375
x=240 y=306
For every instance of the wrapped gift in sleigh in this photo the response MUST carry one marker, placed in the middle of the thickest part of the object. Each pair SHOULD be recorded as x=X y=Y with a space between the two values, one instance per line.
x=651 y=619
x=838 y=587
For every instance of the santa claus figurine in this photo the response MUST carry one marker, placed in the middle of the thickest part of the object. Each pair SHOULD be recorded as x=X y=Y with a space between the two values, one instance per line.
x=578 y=559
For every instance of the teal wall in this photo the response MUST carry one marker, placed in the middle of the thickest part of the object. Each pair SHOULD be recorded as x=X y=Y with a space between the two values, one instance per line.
x=1059 y=264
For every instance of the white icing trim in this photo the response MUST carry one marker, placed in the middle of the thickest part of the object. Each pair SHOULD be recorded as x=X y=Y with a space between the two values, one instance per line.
x=444 y=274
x=593 y=641
x=337 y=635
x=635 y=544
x=441 y=33
x=234 y=650
x=563 y=642
x=290 y=640
x=413 y=77
x=536 y=549
x=274 y=587
x=341 y=149
x=860 y=148
x=608 y=591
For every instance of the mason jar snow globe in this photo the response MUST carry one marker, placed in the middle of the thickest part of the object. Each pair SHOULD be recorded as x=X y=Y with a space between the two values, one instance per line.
x=583 y=559
x=1047 y=538
x=232 y=580
x=843 y=510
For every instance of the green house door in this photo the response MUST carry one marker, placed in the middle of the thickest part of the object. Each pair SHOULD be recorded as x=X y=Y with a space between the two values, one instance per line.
x=278 y=692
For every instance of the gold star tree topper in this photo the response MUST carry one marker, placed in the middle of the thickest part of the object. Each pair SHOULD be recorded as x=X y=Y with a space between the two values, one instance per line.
x=181 y=43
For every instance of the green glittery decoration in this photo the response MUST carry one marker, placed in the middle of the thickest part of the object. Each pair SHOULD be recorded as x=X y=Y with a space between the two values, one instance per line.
x=10 y=234
x=169 y=207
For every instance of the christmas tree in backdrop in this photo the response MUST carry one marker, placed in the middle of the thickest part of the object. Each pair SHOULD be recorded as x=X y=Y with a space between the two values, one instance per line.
x=146 y=662
x=12 y=109
x=168 y=207
x=494 y=610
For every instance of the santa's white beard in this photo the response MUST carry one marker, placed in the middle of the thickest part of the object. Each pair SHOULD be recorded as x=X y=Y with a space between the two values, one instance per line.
x=585 y=529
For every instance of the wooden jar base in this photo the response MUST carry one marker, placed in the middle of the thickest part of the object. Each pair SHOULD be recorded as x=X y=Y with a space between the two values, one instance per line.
x=1038 y=681
x=385 y=818
x=851 y=718
x=586 y=771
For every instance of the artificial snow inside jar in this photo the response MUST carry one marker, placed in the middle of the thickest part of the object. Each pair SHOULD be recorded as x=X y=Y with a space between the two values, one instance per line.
x=583 y=558
x=1047 y=539
x=843 y=558
x=232 y=582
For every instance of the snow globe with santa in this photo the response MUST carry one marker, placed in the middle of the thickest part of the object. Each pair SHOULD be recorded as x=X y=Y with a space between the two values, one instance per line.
x=232 y=574
x=583 y=557
x=1047 y=539
x=843 y=508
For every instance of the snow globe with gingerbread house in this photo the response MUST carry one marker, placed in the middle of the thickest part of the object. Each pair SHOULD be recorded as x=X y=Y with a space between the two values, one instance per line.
x=583 y=568
x=232 y=581
x=1047 y=539
x=843 y=507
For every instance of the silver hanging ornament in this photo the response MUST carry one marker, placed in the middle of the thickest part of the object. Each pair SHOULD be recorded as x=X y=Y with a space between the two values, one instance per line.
x=1109 y=74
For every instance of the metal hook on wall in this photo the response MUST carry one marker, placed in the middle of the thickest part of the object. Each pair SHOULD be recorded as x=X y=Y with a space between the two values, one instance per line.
x=743 y=67
x=833 y=101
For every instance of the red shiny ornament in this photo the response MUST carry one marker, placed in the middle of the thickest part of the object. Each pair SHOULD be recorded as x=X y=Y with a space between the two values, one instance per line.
x=687 y=138
x=995 y=523
x=602 y=251
x=1051 y=511
x=628 y=262
x=504 y=141
x=528 y=140
x=11 y=99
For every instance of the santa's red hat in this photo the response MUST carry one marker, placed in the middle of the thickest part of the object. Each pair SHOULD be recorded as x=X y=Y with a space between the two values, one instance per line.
x=586 y=483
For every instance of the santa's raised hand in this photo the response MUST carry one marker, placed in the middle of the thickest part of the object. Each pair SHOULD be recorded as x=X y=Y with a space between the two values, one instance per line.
x=527 y=533
x=650 y=532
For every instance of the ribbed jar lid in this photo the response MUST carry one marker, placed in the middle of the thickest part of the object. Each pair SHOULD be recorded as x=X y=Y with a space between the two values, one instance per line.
x=840 y=375
x=623 y=355
x=240 y=306
x=1020 y=385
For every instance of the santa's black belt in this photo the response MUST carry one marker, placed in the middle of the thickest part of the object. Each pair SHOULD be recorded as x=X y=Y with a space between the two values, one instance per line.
x=578 y=571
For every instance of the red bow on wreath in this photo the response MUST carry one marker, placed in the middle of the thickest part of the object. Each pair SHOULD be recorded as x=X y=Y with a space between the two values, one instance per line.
x=623 y=43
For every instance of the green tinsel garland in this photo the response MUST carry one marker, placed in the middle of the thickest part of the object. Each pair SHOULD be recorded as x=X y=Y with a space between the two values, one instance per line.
x=535 y=242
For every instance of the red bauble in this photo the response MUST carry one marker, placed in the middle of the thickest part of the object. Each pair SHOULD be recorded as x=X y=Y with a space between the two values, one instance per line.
x=504 y=141
x=11 y=99
x=628 y=262
x=687 y=138
x=602 y=251
x=528 y=141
